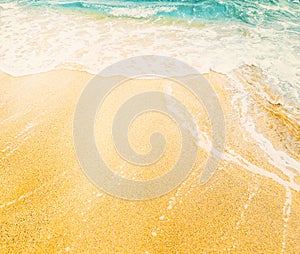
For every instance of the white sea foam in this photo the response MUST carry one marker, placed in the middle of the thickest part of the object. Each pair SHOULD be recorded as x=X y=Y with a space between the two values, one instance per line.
x=140 y=12
x=40 y=39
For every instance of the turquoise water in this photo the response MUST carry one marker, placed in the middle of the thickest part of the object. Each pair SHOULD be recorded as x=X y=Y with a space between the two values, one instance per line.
x=215 y=35
x=273 y=14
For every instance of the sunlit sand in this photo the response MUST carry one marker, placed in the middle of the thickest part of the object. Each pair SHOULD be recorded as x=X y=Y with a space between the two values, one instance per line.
x=251 y=205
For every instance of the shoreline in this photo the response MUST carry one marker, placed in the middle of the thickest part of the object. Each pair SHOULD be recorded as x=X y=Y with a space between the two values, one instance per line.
x=251 y=204
x=54 y=38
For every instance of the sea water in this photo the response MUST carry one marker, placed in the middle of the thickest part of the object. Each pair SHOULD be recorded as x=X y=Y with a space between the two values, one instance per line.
x=219 y=35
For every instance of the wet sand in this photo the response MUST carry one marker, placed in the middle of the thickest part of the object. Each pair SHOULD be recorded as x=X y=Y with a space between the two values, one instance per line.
x=251 y=205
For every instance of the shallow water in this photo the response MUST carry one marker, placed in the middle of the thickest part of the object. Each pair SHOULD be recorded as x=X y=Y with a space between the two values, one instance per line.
x=218 y=35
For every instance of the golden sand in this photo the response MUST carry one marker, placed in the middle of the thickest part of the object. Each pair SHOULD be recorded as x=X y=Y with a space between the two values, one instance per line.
x=47 y=205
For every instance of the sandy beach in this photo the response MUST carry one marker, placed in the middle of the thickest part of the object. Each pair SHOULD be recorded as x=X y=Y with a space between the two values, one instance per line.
x=47 y=205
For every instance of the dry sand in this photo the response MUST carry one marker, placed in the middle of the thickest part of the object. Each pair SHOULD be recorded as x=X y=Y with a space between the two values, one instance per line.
x=47 y=205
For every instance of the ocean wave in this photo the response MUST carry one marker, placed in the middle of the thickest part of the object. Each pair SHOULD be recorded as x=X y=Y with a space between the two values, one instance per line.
x=265 y=13
x=140 y=12
x=69 y=38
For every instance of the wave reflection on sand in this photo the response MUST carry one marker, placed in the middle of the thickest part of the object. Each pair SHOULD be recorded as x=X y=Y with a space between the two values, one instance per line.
x=51 y=205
